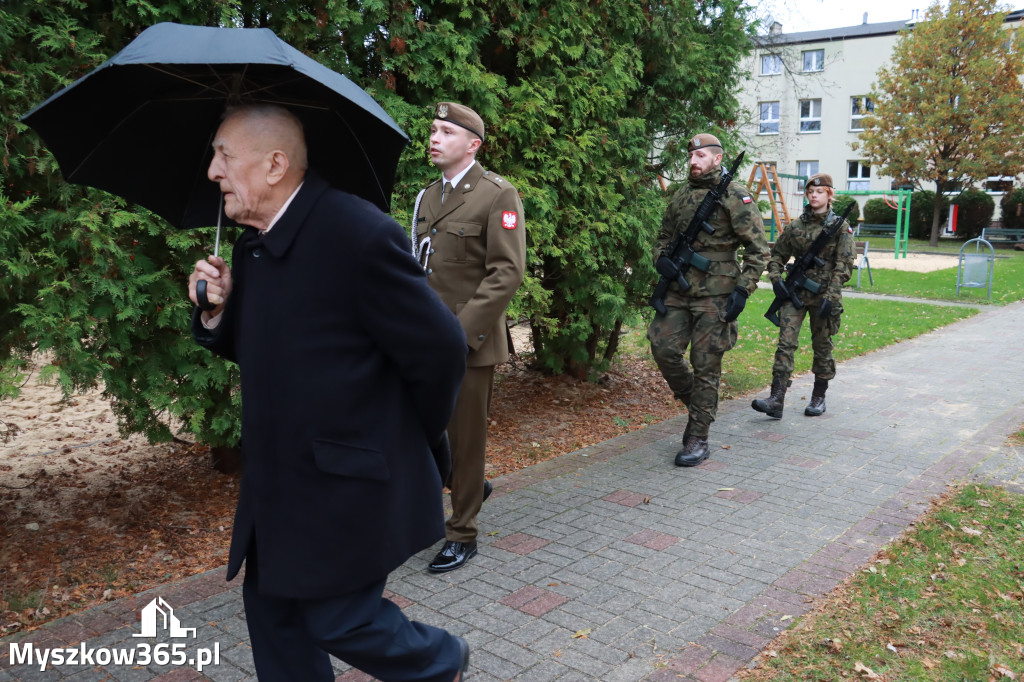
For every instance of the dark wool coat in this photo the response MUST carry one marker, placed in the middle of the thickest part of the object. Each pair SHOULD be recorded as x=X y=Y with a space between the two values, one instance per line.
x=350 y=365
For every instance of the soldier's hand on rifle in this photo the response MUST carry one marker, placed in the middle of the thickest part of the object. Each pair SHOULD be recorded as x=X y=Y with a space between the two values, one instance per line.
x=666 y=268
x=825 y=309
x=734 y=306
x=779 y=288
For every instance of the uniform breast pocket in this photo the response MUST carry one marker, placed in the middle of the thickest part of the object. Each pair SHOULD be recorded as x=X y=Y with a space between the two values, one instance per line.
x=465 y=240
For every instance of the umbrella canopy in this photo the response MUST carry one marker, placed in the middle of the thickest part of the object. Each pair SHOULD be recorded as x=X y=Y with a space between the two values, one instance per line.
x=141 y=124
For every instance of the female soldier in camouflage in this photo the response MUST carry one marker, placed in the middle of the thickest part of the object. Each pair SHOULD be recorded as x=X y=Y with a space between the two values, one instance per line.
x=825 y=307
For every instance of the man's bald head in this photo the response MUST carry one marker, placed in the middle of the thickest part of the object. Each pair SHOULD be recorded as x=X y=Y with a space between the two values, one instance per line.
x=273 y=127
x=259 y=159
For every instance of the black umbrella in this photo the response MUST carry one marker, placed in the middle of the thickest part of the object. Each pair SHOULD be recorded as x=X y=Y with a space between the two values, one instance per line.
x=141 y=124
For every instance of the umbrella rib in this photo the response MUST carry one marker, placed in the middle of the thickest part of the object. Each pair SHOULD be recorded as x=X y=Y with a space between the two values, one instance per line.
x=380 y=188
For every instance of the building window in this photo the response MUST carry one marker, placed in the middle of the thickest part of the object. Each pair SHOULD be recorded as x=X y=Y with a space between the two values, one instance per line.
x=858 y=176
x=999 y=184
x=859 y=108
x=810 y=116
x=806 y=169
x=814 y=60
x=769 y=118
x=771 y=65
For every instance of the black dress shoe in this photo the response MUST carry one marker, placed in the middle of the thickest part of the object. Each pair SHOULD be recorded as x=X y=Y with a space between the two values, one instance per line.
x=453 y=555
x=464 y=653
x=695 y=450
x=488 y=489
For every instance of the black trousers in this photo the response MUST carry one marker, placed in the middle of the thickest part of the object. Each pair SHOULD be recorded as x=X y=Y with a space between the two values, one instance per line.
x=292 y=638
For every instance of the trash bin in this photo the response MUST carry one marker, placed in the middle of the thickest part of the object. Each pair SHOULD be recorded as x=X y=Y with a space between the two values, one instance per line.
x=976 y=267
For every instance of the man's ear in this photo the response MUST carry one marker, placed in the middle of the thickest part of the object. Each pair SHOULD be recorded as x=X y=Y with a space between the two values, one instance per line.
x=278 y=167
x=474 y=144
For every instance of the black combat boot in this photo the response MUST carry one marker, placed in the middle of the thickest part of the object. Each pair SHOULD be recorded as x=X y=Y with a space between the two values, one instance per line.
x=695 y=450
x=772 y=406
x=816 y=408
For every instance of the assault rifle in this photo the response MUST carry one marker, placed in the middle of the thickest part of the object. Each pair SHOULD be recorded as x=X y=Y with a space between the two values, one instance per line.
x=679 y=256
x=796 y=272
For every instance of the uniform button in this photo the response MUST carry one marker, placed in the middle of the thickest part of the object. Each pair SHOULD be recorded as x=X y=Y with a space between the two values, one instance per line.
x=430 y=253
x=430 y=271
x=461 y=233
x=433 y=231
x=256 y=253
x=480 y=338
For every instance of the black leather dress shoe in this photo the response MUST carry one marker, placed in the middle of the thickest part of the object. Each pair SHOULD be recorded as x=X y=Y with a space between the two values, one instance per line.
x=453 y=555
x=464 y=652
x=488 y=489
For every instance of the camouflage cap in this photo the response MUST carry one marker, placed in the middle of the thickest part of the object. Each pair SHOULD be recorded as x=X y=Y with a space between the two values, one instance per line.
x=704 y=140
x=460 y=115
x=820 y=180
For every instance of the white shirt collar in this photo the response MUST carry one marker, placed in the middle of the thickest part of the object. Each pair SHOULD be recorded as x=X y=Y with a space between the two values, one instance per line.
x=280 y=211
x=458 y=178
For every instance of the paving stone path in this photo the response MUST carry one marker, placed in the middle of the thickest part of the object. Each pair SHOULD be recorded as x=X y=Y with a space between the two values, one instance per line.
x=611 y=564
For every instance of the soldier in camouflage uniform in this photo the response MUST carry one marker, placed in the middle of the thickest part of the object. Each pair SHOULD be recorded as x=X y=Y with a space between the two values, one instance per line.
x=825 y=307
x=704 y=316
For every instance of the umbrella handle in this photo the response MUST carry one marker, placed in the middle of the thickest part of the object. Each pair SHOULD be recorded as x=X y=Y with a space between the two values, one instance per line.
x=204 y=302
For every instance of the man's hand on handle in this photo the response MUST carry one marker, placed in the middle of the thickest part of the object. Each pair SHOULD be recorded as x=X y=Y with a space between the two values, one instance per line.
x=218 y=284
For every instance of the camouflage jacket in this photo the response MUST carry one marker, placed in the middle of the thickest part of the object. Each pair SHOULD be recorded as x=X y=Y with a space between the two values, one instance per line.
x=838 y=254
x=737 y=222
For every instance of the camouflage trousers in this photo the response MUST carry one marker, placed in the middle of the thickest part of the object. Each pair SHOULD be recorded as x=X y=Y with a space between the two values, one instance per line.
x=697 y=323
x=822 y=329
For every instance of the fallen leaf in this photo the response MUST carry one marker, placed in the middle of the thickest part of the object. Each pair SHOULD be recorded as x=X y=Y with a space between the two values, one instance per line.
x=552 y=584
x=891 y=648
x=721 y=489
x=647 y=500
x=866 y=672
x=928 y=663
x=582 y=634
x=786 y=617
x=726 y=447
x=1000 y=670
x=970 y=531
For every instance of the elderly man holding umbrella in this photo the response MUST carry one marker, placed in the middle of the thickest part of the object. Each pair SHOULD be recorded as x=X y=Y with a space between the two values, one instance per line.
x=350 y=364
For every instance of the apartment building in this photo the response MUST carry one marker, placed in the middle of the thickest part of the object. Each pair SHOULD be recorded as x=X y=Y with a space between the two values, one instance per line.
x=808 y=93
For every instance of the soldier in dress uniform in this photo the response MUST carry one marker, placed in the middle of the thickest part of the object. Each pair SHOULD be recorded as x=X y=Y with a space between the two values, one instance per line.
x=704 y=316
x=825 y=307
x=470 y=238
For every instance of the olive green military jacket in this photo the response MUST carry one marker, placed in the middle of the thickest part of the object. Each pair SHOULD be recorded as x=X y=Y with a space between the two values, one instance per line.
x=737 y=222
x=838 y=254
x=475 y=257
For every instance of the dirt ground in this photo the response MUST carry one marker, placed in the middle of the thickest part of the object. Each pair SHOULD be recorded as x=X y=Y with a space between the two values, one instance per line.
x=86 y=516
x=913 y=262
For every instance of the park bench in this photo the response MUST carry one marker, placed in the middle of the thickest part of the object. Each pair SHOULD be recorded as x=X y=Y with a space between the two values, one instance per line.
x=1002 y=234
x=872 y=228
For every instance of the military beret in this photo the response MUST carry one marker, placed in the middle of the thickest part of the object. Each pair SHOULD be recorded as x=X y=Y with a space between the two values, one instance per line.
x=704 y=140
x=460 y=115
x=820 y=180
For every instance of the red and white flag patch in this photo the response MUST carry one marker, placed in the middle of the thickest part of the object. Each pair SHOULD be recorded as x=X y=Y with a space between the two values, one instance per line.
x=747 y=200
x=509 y=220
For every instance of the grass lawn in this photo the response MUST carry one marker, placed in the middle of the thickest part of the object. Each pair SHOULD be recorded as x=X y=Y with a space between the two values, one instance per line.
x=1007 y=279
x=943 y=602
x=868 y=325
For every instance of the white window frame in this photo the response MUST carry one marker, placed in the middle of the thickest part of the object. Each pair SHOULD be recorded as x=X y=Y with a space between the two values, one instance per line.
x=997 y=178
x=769 y=122
x=820 y=62
x=859 y=178
x=807 y=168
x=856 y=119
x=807 y=123
x=774 y=62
